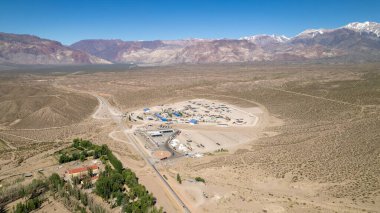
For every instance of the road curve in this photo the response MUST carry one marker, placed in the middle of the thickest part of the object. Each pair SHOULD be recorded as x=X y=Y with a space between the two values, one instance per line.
x=116 y=116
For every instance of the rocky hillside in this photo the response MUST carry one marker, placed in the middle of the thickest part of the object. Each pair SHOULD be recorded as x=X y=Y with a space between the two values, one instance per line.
x=355 y=41
x=27 y=49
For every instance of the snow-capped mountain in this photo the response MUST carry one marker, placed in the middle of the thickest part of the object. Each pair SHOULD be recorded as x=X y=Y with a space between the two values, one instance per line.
x=311 y=33
x=342 y=43
x=369 y=27
x=255 y=38
x=353 y=42
x=346 y=43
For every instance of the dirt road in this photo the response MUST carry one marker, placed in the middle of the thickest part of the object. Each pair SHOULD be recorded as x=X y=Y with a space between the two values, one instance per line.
x=117 y=117
x=169 y=199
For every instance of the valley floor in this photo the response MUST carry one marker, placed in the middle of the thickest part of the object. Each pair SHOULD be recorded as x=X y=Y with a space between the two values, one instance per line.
x=316 y=149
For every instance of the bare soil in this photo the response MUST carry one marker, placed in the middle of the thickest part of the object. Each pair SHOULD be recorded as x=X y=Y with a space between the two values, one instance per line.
x=319 y=150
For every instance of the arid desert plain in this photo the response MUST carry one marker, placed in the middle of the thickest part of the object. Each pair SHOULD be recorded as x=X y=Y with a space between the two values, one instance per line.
x=203 y=138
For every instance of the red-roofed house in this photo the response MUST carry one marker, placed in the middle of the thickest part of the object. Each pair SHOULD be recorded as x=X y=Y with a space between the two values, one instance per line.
x=79 y=172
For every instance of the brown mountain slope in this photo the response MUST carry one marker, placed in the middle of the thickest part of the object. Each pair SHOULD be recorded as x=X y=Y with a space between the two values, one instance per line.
x=31 y=106
x=27 y=49
x=352 y=42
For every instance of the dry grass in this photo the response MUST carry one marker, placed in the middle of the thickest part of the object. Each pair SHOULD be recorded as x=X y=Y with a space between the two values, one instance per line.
x=329 y=140
x=35 y=104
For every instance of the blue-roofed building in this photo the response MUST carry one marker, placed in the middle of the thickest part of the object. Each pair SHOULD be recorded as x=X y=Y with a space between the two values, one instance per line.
x=177 y=114
x=160 y=117
x=193 y=121
x=146 y=109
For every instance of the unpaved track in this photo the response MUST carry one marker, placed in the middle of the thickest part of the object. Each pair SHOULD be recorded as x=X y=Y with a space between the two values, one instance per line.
x=313 y=96
x=30 y=139
x=116 y=116
x=111 y=135
x=105 y=108
x=43 y=129
x=8 y=144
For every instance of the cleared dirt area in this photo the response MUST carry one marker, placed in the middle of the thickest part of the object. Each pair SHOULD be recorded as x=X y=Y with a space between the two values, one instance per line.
x=316 y=149
x=198 y=111
x=196 y=127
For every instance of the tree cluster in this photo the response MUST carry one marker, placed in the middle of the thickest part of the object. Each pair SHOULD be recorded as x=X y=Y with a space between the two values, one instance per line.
x=28 y=206
x=72 y=197
x=116 y=184
x=86 y=149
x=111 y=185
x=199 y=179
x=19 y=191
x=64 y=158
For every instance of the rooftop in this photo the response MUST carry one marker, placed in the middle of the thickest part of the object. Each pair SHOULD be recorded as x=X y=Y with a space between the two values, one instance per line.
x=82 y=169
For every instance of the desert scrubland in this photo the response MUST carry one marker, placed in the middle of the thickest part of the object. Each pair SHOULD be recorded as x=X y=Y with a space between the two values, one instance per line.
x=316 y=147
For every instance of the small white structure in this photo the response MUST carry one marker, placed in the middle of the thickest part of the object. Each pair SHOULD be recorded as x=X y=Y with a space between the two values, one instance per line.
x=155 y=133
x=182 y=148
x=198 y=155
x=174 y=142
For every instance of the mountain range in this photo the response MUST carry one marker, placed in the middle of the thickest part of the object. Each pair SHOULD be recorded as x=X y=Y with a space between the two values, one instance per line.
x=353 y=42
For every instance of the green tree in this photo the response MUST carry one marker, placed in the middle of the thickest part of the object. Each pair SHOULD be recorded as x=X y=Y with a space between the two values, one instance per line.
x=87 y=183
x=130 y=177
x=97 y=153
x=108 y=183
x=75 y=156
x=76 y=142
x=63 y=158
x=115 y=162
x=55 y=182
x=84 y=198
x=82 y=157
x=120 y=198
x=179 y=179
x=199 y=179
x=28 y=206
x=75 y=180
x=2 y=209
x=104 y=149
x=90 y=172
x=86 y=144
x=155 y=210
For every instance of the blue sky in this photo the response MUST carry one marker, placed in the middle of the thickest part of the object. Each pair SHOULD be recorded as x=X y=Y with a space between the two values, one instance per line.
x=69 y=21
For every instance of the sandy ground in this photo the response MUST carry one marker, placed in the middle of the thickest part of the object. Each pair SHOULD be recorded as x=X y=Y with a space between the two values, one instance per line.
x=146 y=176
x=208 y=137
x=207 y=112
x=317 y=150
x=52 y=206
x=194 y=194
